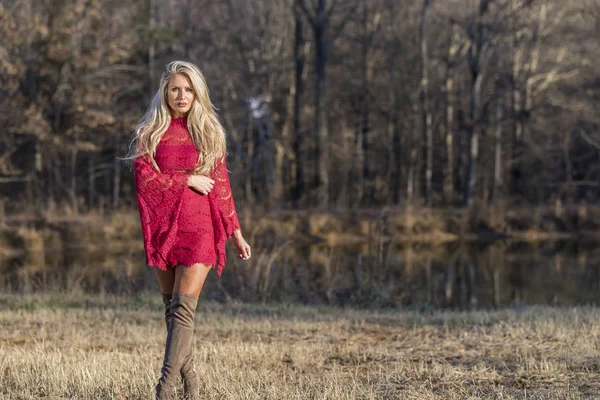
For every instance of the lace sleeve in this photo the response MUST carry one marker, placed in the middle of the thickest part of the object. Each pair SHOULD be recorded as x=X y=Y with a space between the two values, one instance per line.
x=223 y=198
x=159 y=197
x=157 y=189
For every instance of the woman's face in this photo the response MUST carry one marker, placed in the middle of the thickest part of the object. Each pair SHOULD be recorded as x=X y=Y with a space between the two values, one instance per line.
x=180 y=95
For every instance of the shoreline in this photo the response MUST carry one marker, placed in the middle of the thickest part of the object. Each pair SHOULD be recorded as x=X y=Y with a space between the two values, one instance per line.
x=345 y=227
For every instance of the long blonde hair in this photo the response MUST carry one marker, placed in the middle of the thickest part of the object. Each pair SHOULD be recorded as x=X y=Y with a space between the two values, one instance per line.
x=203 y=124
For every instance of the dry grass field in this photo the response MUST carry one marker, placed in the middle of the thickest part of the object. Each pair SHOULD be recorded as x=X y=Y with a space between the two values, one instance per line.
x=77 y=347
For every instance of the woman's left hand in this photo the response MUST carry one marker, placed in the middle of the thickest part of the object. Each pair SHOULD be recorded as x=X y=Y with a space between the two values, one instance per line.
x=243 y=248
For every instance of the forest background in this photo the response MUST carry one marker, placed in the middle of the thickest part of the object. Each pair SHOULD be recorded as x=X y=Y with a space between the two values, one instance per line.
x=331 y=104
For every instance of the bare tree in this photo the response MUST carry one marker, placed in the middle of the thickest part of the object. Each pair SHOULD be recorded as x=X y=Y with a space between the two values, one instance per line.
x=427 y=119
x=325 y=34
x=298 y=142
x=454 y=47
x=478 y=59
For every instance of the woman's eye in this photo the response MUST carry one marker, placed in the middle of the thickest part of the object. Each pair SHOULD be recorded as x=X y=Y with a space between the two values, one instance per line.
x=189 y=90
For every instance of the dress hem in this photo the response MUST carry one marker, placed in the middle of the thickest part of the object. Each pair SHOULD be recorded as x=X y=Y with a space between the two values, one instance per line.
x=166 y=267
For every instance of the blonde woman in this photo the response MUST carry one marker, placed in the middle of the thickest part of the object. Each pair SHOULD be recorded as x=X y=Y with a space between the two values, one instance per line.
x=186 y=208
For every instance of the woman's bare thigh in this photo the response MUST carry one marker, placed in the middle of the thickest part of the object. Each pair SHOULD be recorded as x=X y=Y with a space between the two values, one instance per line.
x=166 y=280
x=190 y=279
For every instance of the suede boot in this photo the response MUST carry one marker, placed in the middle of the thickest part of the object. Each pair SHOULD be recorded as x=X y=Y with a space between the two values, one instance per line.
x=178 y=344
x=188 y=372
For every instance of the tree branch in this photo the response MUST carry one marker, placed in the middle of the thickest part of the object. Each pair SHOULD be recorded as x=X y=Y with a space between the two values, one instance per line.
x=307 y=14
x=345 y=19
x=589 y=139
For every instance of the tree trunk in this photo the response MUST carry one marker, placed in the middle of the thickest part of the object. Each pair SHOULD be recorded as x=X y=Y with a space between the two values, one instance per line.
x=249 y=161
x=188 y=25
x=151 y=45
x=267 y=157
x=413 y=162
x=473 y=131
x=363 y=129
x=448 y=170
x=471 y=179
x=356 y=174
x=498 y=149
x=74 y=180
x=91 y=179
x=319 y=20
x=298 y=92
x=116 y=178
x=425 y=105
x=393 y=154
x=478 y=56
x=322 y=134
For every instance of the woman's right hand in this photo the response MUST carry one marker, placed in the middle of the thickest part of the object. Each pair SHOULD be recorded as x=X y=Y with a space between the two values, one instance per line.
x=201 y=183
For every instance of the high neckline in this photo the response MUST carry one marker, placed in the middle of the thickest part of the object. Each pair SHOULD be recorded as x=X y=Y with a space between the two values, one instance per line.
x=181 y=121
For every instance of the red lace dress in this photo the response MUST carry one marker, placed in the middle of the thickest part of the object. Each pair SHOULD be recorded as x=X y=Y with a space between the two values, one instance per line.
x=179 y=224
